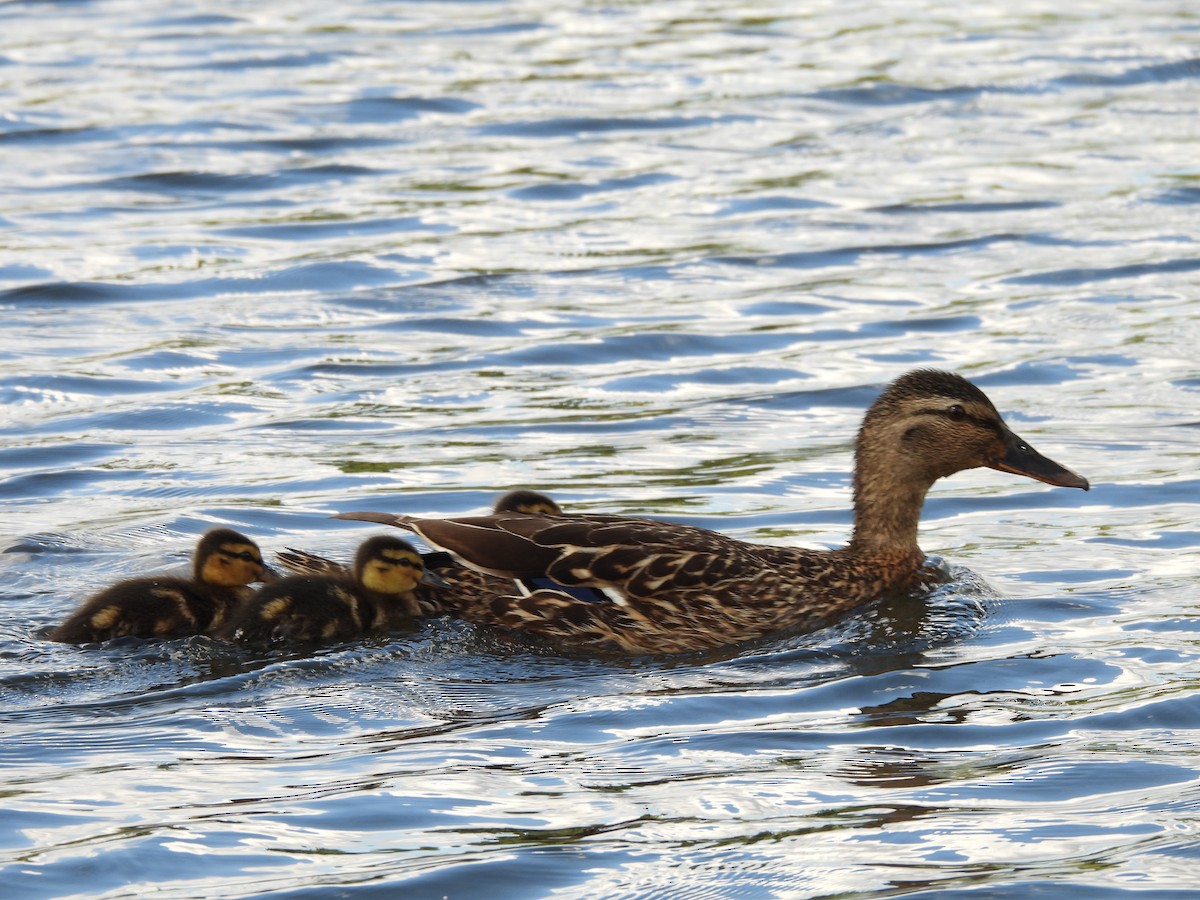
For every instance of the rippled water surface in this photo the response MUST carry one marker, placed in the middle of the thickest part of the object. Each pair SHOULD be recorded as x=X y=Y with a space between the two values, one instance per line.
x=261 y=262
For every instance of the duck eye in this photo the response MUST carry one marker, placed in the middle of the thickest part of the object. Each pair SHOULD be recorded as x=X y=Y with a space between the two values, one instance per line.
x=956 y=413
x=244 y=556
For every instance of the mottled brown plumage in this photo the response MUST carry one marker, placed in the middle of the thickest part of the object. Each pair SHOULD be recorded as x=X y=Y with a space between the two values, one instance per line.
x=675 y=588
x=377 y=595
x=167 y=606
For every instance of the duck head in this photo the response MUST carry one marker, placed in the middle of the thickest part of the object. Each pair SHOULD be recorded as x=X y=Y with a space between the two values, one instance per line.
x=390 y=565
x=526 y=501
x=225 y=558
x=928 y=424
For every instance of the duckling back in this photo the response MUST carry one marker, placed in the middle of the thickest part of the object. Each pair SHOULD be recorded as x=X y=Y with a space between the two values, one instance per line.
x=304 y=608
x=146 y=607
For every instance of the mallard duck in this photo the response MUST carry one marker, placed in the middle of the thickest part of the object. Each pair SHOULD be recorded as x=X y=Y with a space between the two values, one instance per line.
x=377 y=596
x=674 y=588
x=167 y=606
x=522 y=500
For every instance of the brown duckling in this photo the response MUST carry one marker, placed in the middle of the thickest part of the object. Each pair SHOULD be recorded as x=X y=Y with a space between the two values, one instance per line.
x=672 y=588
x=167 y=606
x=376 y=596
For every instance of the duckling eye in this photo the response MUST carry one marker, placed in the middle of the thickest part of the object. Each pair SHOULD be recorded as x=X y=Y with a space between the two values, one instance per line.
x=244 y=556
x=956 y=413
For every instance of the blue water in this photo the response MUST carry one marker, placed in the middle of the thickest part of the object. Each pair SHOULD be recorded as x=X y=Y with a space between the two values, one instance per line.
x=262 y=262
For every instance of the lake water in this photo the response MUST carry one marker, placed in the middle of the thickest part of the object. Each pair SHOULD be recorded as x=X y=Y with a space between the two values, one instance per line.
x=262 y=262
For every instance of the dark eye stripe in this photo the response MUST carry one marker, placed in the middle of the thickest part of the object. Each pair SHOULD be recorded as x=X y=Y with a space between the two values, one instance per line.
x=388 y=560
x=944 y=411
x=244 y=556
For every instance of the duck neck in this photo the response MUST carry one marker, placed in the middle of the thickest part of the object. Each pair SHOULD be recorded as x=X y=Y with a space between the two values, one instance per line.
x=887 y=505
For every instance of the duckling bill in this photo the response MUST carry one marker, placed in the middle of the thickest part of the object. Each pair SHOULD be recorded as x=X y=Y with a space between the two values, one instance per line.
x=378 y=595
x=164 y=606
x=673 y=588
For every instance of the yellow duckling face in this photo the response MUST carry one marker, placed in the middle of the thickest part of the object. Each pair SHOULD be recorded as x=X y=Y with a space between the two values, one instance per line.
x=388 y=565
x=227 y=559
x=392 y=573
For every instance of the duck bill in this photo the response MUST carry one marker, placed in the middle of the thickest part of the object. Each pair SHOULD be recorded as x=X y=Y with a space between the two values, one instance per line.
x=268 y=575
x=1021 y=459
x=434 y=580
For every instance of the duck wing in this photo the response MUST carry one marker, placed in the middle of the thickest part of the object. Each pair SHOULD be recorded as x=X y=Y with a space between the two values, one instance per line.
x=630 y=559
x=301 y=562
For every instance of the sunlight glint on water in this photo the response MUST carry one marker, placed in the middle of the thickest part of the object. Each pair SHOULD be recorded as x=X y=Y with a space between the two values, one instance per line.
x=261 y=263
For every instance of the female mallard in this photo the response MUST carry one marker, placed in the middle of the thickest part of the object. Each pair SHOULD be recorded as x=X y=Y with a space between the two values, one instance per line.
x=674 y=588
x=167 y=606
x=377 y=596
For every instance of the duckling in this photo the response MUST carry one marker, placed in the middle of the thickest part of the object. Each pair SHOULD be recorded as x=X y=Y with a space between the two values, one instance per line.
x=674 y=588
x=166 y=606
x=533 y=503
x=376 y=596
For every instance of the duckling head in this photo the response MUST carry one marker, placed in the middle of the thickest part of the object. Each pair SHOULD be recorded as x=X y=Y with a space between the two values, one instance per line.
x=389 y=565
x=526 y=501
x=224 y=558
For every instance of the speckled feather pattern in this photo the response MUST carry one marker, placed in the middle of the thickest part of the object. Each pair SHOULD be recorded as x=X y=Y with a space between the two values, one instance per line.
x=682 y=588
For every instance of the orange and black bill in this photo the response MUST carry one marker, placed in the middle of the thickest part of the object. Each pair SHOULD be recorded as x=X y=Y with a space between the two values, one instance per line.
x=1021 y=459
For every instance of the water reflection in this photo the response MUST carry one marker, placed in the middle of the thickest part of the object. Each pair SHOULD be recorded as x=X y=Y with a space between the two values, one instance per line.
x=655 y=258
